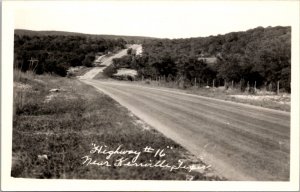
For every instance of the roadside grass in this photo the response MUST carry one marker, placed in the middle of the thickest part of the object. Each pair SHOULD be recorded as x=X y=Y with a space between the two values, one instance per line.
x=78 y=71
x=262 y=99
x=53 y=130
x=100 y=76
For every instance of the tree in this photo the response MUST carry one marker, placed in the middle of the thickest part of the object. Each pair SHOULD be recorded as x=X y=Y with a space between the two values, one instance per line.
x=88 y=60
x=110 y=70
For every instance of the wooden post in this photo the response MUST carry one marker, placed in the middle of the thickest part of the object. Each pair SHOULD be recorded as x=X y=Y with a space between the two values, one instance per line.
x=31 y=64
x=232 y=84
x=277 y=87
x=240 y=84
x=158 y=80
x=213 y=83
x=248 y=85
x=195 y=82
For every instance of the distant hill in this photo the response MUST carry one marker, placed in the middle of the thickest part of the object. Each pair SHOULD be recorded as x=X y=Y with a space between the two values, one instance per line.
x=129 y=39
x=260 y=56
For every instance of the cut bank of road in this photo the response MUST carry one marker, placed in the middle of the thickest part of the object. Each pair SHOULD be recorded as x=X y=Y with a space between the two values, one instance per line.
x=242 y=142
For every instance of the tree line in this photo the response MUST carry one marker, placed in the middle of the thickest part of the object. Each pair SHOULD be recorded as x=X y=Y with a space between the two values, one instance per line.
x=56 y=53
x=260 y=57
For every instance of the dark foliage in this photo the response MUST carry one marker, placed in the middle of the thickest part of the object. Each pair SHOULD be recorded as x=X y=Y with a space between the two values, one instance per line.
x=110 y=70
x=56 y=53
x=128 y=39
x=260 y=56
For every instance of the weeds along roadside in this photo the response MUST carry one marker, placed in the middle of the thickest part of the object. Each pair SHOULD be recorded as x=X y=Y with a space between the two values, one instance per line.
x=261 y=98
x=62 y=125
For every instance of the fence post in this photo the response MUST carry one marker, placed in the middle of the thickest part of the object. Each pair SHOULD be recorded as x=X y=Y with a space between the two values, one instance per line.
x=241 y=85
x=159 y=80
x=277 y=87
x=248 y=86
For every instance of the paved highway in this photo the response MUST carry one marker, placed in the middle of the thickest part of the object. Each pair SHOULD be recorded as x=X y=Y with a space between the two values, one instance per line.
x=241 y=142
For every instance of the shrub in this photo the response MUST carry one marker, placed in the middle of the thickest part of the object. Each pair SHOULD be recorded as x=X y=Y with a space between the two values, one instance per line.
x=110 y=70
x=88 y=60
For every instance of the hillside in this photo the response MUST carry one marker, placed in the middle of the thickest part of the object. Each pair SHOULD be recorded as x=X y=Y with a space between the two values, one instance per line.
x=57 y=53
x=258 y=57
x=129 y=39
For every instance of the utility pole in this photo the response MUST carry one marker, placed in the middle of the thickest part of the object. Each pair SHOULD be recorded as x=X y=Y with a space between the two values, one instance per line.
x=31 y=63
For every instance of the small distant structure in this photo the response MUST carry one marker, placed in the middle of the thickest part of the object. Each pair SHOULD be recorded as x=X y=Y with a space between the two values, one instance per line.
x=99 y=59
x=208 y=60
x=126 y=74
x=139 y=50
x=98 y=54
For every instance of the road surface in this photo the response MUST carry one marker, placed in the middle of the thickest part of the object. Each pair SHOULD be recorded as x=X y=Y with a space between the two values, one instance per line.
x=106 y=61
x=242 y=142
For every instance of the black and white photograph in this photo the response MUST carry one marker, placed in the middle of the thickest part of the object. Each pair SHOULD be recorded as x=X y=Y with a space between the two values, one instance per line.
x=150 y=95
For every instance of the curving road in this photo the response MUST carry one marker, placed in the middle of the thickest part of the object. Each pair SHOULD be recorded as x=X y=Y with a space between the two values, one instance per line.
x=106 y=61
x=242 y=142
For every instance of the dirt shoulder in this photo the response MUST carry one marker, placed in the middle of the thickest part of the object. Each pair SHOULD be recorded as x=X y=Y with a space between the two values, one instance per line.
x=263 y=99
x=63 y=128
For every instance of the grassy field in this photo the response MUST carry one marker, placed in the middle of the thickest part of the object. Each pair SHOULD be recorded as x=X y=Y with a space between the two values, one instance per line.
x=56 y=120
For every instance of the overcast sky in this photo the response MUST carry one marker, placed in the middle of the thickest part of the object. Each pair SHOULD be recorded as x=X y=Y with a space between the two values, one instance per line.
x=170 y=19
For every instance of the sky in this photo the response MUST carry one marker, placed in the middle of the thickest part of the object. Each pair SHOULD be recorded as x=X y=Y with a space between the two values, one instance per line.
x=164 y=19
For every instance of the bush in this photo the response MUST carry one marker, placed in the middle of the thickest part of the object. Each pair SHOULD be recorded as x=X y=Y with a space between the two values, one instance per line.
x=88 y=60
x=61 y=69
x=129 y=51
x=110 y=70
